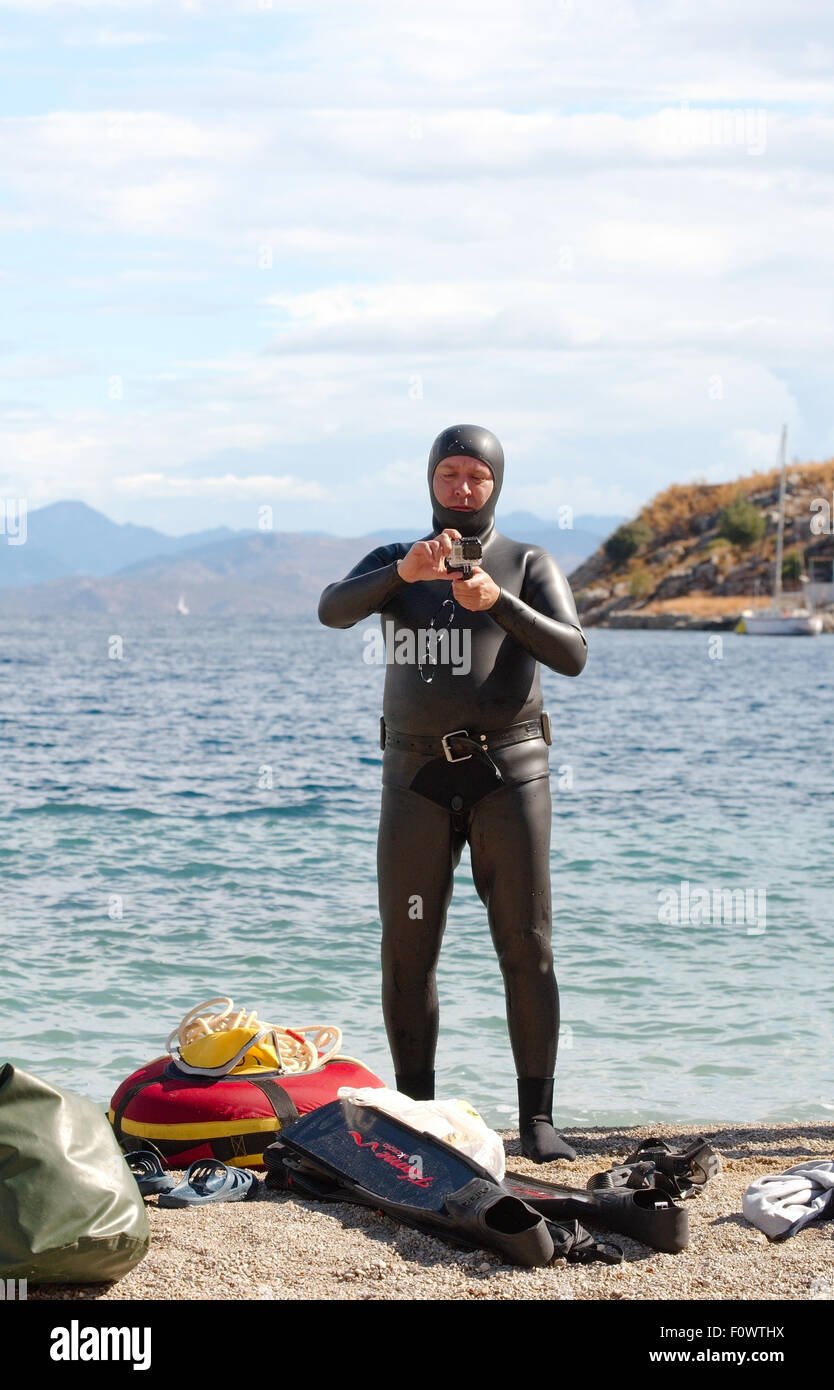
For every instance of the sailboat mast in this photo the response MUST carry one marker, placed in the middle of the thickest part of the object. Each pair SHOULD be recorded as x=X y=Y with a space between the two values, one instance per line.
x=780 y=534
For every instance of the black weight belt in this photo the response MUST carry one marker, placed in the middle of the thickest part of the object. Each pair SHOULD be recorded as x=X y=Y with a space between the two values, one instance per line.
x=460 y=744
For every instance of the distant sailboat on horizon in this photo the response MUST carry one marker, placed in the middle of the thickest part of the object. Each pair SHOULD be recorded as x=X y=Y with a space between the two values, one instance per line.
x=781 y=619
x=182 y=606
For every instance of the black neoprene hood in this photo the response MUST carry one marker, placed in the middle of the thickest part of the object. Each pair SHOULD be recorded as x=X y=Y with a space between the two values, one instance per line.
x=476 y=443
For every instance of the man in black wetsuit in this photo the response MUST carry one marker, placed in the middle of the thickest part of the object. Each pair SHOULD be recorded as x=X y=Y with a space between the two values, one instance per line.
x=466 y=759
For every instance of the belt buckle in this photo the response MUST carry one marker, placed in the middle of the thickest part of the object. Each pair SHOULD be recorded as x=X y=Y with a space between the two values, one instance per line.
x=456 y=733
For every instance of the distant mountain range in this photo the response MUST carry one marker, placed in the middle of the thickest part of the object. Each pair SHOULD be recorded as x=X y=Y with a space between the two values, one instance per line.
x=71 y=538
x=77 y=560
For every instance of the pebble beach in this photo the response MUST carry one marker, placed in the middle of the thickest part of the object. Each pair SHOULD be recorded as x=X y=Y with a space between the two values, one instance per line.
x=278 y=1247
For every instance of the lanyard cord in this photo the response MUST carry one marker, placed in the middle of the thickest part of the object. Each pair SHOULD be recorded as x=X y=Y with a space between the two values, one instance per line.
x=431 y=660
x=431 y=657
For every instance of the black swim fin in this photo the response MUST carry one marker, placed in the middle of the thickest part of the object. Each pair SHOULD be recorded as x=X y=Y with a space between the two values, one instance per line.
x=290 y=1172
x=357 y=1153
x=343 y=1152
x=647 y=1215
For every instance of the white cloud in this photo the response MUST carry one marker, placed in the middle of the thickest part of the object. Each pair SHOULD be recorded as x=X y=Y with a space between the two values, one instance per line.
x=138 y=275
x=115 y=38
x=480 y=194
x=14 y=367
x=169 y=205
x=679 y=302
x=439 y=141
x=51 y=448
x=515 y=219
x=408 y=314
x=224 y=488
x=755 y=449
x=108 y=6
x=110 y=140
x=567 y=415
x=582 y=493
x=402 y=479
x=661 y=246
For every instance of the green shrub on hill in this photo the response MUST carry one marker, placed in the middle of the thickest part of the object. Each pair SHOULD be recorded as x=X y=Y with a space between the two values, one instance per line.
x=627 y=540
x=741 y=522
x=792 y=565
x=640 y=582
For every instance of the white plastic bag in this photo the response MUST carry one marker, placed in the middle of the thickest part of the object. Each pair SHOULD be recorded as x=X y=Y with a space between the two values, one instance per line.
x=451 y=1120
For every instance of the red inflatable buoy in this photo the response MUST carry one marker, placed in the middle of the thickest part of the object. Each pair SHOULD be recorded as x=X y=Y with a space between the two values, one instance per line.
x=230 y=1117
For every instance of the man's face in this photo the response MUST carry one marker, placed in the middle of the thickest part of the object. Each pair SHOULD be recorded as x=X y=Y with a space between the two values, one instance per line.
x=462 y=484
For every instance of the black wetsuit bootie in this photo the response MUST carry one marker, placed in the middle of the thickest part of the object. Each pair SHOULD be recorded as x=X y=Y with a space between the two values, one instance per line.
x=418 y=1085
x=539 y=1140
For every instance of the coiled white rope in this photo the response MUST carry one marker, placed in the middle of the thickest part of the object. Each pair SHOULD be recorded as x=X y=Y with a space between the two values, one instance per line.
x=296 y=1051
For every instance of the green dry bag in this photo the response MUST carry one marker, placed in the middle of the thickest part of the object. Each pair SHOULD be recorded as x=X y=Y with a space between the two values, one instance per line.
x=70 y=1208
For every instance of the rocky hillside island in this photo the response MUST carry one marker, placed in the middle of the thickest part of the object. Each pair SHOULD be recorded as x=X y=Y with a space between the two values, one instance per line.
x=699 y=554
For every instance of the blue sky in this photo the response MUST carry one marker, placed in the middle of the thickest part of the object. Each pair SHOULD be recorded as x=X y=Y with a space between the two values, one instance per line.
x=262 y=252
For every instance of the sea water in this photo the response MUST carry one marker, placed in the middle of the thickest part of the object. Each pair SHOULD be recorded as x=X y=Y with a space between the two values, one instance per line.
x=189 y=809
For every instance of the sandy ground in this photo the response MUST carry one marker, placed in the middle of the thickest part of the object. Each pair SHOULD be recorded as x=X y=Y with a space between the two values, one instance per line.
x=277 y=1247
x=705 y=605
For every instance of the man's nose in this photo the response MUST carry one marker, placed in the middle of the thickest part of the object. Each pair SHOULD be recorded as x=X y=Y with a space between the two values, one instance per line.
x=463 y=487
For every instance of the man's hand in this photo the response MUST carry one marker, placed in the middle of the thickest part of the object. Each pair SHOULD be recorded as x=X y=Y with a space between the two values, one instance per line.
x=478 y=593
x=427 y=559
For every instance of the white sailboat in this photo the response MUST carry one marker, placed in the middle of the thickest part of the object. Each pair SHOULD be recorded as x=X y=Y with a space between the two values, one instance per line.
x=783 y=618
x=182 y=606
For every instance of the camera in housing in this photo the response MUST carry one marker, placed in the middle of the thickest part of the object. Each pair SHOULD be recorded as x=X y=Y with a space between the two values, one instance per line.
x=465 y=553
